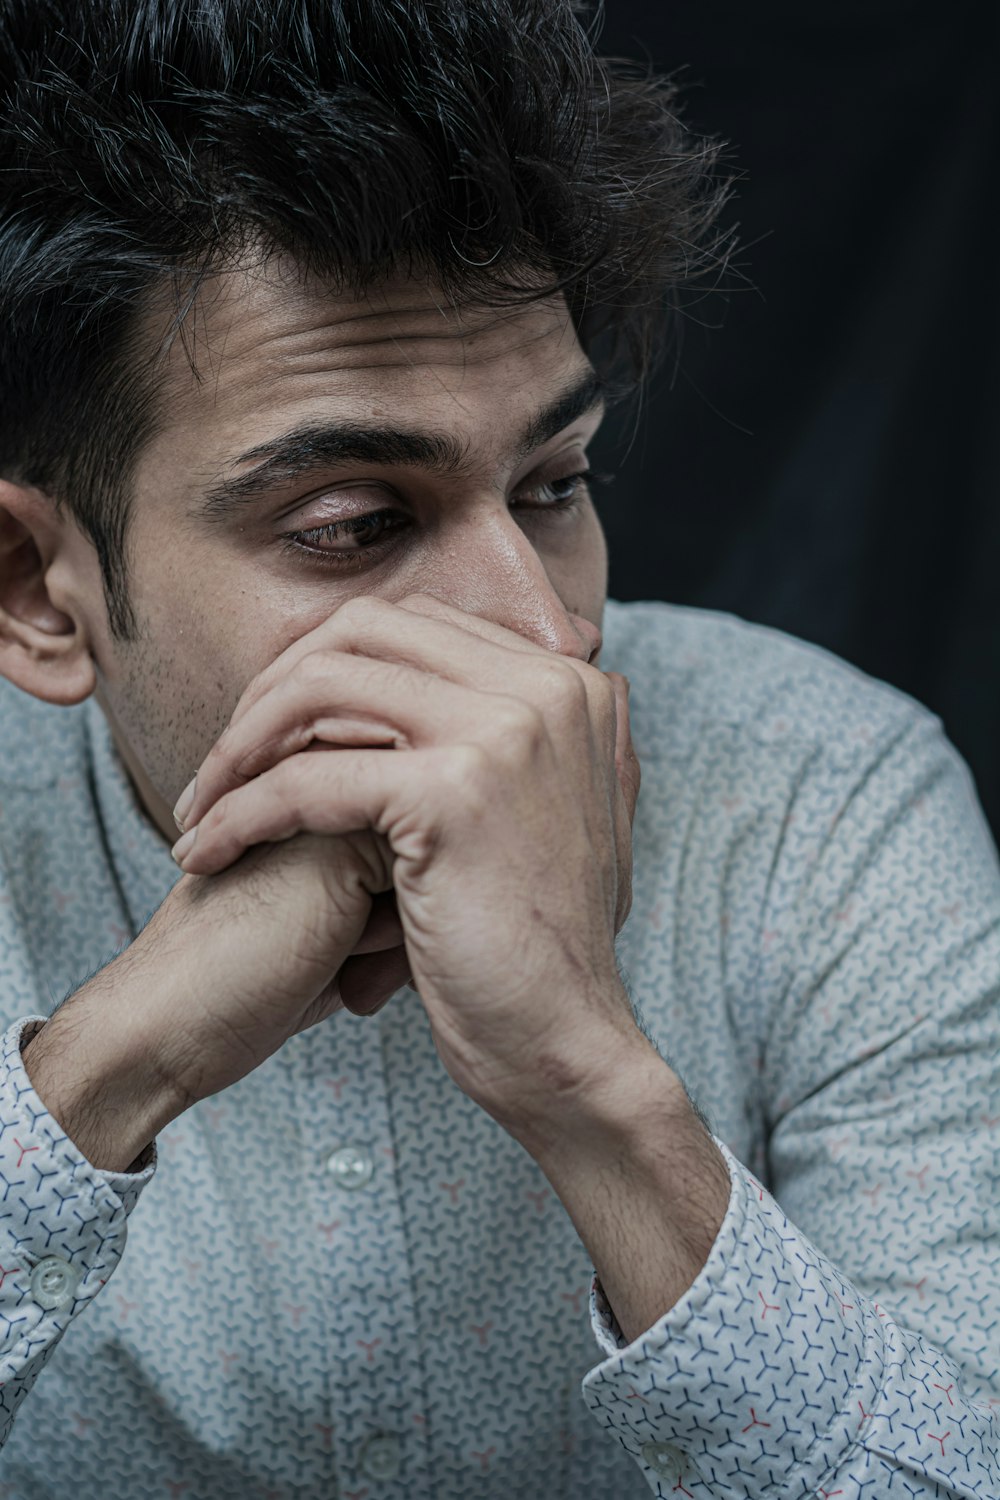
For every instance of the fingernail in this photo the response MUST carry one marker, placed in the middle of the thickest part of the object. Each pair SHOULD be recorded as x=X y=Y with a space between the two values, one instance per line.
x=183 y=846
x=185 y=802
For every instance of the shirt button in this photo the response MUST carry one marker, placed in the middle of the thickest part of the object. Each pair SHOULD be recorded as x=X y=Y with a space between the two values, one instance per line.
x=54 y=1282
x=380 y=1457
x=350 y=1167
x=665 y=1459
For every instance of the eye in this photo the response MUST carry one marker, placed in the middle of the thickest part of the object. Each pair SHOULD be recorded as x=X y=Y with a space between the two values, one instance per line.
x=555 y=492
x=560 y=493
x=348 y=538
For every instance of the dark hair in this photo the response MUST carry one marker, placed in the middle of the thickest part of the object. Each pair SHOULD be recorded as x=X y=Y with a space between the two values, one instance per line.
x=145 y=143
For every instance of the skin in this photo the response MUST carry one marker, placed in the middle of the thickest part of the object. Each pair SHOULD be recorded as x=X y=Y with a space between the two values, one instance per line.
x=274 y=355
x=469 y=642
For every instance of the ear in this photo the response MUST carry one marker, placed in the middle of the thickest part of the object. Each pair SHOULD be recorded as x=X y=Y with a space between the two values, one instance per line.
x=44 y=648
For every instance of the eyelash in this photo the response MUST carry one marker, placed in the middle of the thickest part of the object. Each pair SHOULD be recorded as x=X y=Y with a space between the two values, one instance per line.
x=298 y=542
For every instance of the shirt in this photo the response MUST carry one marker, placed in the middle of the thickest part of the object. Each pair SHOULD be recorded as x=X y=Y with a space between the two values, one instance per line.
x=339 y=1278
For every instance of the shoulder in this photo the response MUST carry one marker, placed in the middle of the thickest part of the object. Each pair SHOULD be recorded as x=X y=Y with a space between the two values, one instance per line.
x=695 y=670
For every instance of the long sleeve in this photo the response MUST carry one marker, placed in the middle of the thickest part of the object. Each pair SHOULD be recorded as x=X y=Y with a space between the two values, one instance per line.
x=62 y=1226
x=847 y=1342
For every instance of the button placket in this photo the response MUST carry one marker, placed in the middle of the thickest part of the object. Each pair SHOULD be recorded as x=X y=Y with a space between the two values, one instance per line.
x=376 y=1375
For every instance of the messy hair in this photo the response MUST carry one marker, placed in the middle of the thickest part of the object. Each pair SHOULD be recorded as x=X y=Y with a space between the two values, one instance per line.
x=145 y=144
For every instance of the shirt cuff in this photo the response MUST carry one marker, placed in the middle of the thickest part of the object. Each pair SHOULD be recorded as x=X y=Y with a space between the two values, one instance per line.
x=62 y=1220
x=758 y=1380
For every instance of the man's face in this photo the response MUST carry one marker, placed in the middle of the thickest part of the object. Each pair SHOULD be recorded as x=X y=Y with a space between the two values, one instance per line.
x=440 y=458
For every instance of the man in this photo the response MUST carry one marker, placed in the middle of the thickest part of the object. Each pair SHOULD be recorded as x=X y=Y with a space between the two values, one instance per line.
x=298 y=300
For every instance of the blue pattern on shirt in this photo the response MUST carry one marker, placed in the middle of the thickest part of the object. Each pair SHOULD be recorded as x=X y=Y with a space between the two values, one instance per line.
x=815 y=945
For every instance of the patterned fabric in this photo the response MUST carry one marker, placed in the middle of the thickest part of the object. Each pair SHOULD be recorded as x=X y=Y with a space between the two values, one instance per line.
x=342 y=1279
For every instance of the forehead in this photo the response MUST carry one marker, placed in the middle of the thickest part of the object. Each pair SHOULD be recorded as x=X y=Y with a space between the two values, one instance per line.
x=267 y=343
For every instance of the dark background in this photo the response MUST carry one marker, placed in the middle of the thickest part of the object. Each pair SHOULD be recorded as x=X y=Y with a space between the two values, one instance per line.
x=824 y=457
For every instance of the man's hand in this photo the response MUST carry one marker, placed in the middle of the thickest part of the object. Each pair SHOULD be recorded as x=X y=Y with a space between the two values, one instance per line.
x=409 y=775
x=500 y=781
x=221 y=976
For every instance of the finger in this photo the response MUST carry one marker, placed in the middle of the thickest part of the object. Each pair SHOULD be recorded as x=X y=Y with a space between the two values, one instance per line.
x=425 y=634
x=340 y=792
x=383 y=930
x=335 y=699
x=628 y=777
x=433 y=608
x=376 y=628
x=338 y=695
x=366 y=983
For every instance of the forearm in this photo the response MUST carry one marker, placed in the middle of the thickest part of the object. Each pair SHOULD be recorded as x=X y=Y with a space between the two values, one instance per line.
x=644 y=1183
x=98 y=1074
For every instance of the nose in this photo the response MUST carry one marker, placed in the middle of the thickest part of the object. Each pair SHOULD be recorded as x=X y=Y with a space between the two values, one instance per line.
x=494 y=572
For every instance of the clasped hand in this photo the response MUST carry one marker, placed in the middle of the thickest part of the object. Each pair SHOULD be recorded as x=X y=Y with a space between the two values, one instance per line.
x=498 y=783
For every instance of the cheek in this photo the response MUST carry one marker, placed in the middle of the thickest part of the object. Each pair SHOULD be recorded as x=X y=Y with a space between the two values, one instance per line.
x=213 y=632
x=578 y=570
x=173 y=690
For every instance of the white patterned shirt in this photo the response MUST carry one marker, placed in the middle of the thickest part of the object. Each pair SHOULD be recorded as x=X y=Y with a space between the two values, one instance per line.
x=342 y=1279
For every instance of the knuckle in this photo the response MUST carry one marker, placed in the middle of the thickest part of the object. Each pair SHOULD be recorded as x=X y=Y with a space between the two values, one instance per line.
x=293 y=781
x=564 y=687
x=470 y=771
x=361 y=612
x=515 y=725
x=312 y=669
x=255 y=689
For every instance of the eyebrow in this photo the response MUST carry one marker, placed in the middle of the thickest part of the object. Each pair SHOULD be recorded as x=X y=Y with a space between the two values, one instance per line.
x=314 y=447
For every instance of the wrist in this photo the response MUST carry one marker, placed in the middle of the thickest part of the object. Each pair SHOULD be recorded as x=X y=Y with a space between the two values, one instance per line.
x=633 y=1097
x=642 y=1180
x=93 y=1074
x=594 y=1101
